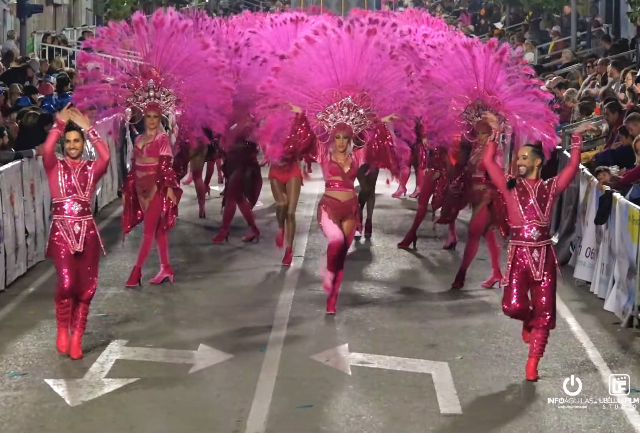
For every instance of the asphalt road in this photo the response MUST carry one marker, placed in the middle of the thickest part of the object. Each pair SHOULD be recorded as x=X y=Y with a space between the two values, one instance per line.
x=239 y=344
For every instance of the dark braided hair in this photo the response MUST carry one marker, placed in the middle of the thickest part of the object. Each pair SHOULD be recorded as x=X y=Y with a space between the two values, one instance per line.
x=536 y=151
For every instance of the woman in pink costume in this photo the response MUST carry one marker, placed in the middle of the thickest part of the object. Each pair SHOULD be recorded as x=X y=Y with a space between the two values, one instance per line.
x=173 y=71
x=443 y=180
x=151 y=193
x=530 y=277
x=341 y=101
x=418 y=162
x=74 y=241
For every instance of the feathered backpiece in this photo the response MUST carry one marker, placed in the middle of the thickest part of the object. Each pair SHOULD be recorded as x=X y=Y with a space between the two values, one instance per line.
x=163 y=61
x=482 y=77
x=349 y=71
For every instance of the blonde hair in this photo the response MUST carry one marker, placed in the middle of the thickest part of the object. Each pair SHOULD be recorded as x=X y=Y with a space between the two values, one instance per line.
x=58 y=63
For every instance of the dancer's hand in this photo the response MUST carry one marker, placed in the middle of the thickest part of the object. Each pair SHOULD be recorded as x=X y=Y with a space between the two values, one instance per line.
x=65 y=113
x=172 y=196
x=296 y=109
x=492 y=120
x=79 y=119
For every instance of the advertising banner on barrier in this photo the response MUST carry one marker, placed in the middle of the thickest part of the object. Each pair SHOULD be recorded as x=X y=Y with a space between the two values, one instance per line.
x=587 y=250
x=46 y=201
x=41 y=201
x=13 y=221
x=603 y=276
x=622 y=296
x=29 y=173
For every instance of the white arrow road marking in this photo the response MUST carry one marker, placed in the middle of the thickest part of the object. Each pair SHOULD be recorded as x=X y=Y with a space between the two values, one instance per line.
x=94 y=384
x=202 y=358
x=341 y=359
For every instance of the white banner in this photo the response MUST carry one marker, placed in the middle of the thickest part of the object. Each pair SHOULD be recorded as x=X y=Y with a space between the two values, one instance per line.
x=622 y=296
x=580 y=216
x=46 y=200
x=603 y=277
x=41 y=202
x=587 y=250
x=29 y=173
x=13 y=220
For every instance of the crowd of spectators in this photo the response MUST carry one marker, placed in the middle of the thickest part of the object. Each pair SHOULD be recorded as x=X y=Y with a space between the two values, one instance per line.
x=32 y=90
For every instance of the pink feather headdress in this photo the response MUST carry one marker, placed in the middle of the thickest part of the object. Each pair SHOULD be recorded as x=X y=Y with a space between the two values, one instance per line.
x=481 y=78
x=354 y=59
x=164 y=62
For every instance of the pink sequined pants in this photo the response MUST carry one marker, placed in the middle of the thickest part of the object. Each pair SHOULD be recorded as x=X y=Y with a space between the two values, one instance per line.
x=77 y=278
x=532 y=302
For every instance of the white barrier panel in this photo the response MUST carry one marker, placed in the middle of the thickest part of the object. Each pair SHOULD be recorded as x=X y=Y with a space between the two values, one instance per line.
x=607 y=255
x=621 y=299
x=29 y=179
x=13 y=221
x=587 y=249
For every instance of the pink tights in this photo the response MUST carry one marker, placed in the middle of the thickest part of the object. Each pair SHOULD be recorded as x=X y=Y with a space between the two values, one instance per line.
x=477 y=229
x=339 y=244
x=234 y=196
x=153 y=228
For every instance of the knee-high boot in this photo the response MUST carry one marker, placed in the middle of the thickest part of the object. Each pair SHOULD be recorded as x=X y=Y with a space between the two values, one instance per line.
x=64 y=309
x=81 y=313
x=538 y=342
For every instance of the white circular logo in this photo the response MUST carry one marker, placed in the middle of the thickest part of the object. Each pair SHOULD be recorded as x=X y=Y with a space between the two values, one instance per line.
x=574 y=380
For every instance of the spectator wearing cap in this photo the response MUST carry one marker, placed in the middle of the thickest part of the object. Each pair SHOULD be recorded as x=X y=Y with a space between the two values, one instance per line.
x=57 y=101
x=46 y=86
x=29 y=97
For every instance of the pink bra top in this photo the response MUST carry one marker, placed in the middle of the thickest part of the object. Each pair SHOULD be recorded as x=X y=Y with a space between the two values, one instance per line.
x=158 y=147
x=346 y=182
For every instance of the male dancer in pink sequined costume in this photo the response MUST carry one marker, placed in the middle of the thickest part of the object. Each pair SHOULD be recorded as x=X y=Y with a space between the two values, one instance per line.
x=530 y=276
x=74 y=241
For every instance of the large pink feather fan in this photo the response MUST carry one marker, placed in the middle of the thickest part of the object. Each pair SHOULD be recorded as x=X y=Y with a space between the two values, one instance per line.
x=483 y=77
x=422 y=18
x=168 y=49
x=271 y=43
x=351 y=58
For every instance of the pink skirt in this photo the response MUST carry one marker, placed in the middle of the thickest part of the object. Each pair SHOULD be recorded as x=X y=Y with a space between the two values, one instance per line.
x=338 y=210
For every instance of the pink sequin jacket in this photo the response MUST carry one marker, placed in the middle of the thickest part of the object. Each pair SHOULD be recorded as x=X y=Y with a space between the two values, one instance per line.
x=72 y=184
x=164 y=177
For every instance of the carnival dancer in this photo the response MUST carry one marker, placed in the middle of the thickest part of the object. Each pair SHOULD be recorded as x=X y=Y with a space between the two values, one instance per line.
x=418 y=162
x=531 y=272
x=151 y=193
x=340 y=101
x=243 y=181
x=440 y=180
x=167 y=75
x=74 y=241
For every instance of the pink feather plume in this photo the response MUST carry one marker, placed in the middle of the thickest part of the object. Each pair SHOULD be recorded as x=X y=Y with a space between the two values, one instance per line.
x=187 y=62
x=486 y=72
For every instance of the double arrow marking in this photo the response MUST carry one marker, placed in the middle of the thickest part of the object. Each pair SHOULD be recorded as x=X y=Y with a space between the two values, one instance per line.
x=94 y=383
x=341 y=359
